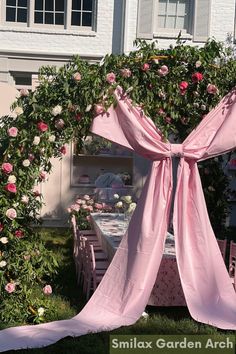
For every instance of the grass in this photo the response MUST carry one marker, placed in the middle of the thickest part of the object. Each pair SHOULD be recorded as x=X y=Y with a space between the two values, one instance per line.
x=160 y=321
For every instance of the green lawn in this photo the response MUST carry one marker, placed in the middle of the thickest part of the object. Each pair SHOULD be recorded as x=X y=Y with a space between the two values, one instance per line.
x=160 y=321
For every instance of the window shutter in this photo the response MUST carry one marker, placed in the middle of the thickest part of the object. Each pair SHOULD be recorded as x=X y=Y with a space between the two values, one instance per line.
x=202 y=11
x=145 y=19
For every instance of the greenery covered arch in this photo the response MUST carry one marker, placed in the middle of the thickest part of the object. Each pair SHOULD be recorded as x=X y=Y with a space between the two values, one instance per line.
x=176 y=87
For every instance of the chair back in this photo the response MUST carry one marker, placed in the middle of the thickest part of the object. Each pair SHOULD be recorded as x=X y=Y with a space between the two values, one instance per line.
x=222 y=246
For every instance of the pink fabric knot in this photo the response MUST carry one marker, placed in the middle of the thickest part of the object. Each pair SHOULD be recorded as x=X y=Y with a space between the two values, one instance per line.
x=176 y=150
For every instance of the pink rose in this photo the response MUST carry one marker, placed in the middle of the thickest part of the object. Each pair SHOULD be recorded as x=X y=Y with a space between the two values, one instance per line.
x=19 y=233
x=12 y=132
x=98 y=206
x=145 y=67
x=212 y=89
x=1 y=227
x=75 y=207
x=11 y=213
x=24 y=92
x=42 y=175
x=183 y=87
x=125 y=72
x=37 y=193
x=196 y=77
x=11 y=187
x=47 y=290
x=63 y=150
x=99 y=109
x=111 y=78
x=86 y=197
x=161 y=112
x=59 y=124
x=31 y=157
x=10 y=287
x=163 y=71
x=77 y=76
x=7 y=167
x=168 y=120
x=42 y=127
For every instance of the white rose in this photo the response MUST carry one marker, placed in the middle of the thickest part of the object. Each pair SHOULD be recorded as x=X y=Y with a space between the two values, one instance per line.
x=11 y=179
x=116 y=196
x=119 y=205
x=198 y=64
x=127 y=199
x=36 y=140
x=41 y=311
x=26 y=163
x=25 y=199
x=52 y=138
x=4 y=240
x=56 y=110
x=132 y=207
x=3 y=264
x=88 y=108
x=18 y=110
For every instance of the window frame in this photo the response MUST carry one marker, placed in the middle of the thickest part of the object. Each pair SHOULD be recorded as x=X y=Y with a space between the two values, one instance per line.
x=159 y=31
x=67 y=19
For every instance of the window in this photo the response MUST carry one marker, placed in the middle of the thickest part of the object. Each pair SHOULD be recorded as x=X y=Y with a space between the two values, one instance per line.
x=165 y=18
x=173 y=15
x=75 y=14
x=16 y=11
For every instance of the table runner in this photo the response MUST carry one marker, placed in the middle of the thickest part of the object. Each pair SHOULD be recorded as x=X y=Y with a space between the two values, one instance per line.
x=125 y=289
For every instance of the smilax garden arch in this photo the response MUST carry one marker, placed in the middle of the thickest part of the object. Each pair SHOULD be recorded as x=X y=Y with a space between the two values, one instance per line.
x=176 y=88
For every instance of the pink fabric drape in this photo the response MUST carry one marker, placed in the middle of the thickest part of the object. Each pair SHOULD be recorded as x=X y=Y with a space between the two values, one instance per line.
x=125 y=289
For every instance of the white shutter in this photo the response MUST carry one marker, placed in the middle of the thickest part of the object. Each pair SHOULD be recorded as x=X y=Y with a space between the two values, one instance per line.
x=145 y=19
x=202 y=10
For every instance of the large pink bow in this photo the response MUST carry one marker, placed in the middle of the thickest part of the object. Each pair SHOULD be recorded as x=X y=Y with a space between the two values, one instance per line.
x=125 y=289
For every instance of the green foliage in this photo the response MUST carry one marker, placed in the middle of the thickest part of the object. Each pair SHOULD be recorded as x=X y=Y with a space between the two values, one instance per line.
x=62 y=109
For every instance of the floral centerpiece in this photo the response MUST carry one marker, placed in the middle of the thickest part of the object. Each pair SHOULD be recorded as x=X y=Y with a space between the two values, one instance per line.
x=125 y=205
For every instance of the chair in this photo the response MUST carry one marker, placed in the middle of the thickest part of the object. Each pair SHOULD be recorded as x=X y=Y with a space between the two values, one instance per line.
x=93 y=269
x=232 y=262
x=222 y=246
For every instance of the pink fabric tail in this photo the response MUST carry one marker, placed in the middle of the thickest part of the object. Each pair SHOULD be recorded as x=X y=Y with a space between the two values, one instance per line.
x=125 y=289
x=208 y=290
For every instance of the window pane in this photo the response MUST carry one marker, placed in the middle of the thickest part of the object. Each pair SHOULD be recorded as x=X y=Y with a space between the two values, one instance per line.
x=180 y=23
x=38 y=4
x=76 y=4
x=38 y=17
x=171 y=8
x=21 y=15
x=22 y=3
x=11 y=2
x=11 y=14
x=87 y=5
x=59 y=5
x=170 y=22
x=182 y=8
x=49 y=18
x=75 y=19
x=49 y=5
x=162 y=7
x=87 y=19
x=59 y=19
x=161 y=21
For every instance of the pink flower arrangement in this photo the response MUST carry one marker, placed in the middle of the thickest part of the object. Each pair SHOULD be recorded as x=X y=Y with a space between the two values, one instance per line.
x=183 y=87
x=212 y=89
x=145 y=67
x=98 y=206
x=42 y=127
x=196 y=77
x=7 y=167
x=63 y=150
x=75 y=207
x=163 y=71
x=10 y=287
x=11 y=213
x=11 y=187
x=125 y=72
x=111 y=78
x=77 y=76
x=99 y=109
x=47 y=290
x=12 y=132
x=19 y=233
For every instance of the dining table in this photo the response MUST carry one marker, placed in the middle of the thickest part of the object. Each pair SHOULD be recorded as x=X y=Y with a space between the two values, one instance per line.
x=167 y=290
